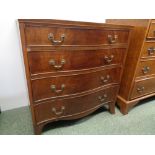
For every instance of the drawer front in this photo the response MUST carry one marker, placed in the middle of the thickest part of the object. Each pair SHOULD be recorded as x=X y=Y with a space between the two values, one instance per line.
x=148 y=49
x=53 y=87
x=146 y=68
x=61 y=35
x=60 y=109
x=151 y=31
x=54 y=61
x=143 y=87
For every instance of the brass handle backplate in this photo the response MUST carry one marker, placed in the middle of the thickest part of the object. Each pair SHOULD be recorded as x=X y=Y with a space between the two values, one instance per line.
x=140 y=89
x=58 y=113
x=102 y=98
x=53 y=88
x=112 y=39
x=56 y=42
x=151 y=51
x=109 y=59
x=146 y=69
x=105 y=79
x=154 y=33
x=53 y=63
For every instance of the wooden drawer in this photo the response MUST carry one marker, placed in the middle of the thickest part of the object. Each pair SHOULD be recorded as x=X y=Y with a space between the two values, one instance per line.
x=148 y=50
x=56 y=86
x=151 y=31
x=146 y=67
x=143 y=87
x=54 y=61
x=73 y=35
x=63 y=108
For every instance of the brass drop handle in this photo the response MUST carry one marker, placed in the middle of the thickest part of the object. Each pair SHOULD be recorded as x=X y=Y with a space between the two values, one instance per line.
x=58 y=113
x=105 y=79
x=51 y=38
x=53 y=88
x=112 y=39
x=53 y=63
x=145 y=69
x=151 y=51
x=140 y=89
x=109 y=59
x=102 y=98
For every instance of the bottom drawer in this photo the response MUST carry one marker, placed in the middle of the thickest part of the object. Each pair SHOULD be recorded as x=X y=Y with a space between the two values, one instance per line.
x=62 y=108
x=143 y=87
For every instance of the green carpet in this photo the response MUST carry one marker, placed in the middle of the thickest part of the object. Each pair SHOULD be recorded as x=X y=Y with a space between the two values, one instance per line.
x=139 y=121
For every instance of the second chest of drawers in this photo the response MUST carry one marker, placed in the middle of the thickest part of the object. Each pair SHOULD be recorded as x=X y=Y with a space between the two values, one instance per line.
x=138 y=81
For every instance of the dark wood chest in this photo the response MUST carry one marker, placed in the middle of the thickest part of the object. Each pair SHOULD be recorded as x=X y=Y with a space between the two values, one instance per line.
x=72 y=68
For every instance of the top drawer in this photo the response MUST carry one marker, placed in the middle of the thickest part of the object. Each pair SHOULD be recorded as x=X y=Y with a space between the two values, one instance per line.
x=151 y=31
x=73 y=35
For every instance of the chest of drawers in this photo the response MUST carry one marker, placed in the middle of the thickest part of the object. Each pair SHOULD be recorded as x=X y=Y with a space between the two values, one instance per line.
x=72 y=68
x=138 y=81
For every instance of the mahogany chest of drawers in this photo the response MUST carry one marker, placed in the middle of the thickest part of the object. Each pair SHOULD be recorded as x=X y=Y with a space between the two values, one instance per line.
x=138 y=81
x=72 y=68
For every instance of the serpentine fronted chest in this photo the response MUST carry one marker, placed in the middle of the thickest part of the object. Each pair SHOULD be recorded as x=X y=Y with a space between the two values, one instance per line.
x=72 y=68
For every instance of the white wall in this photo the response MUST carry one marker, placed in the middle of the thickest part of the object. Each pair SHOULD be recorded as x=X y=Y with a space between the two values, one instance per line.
x=13 y=89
